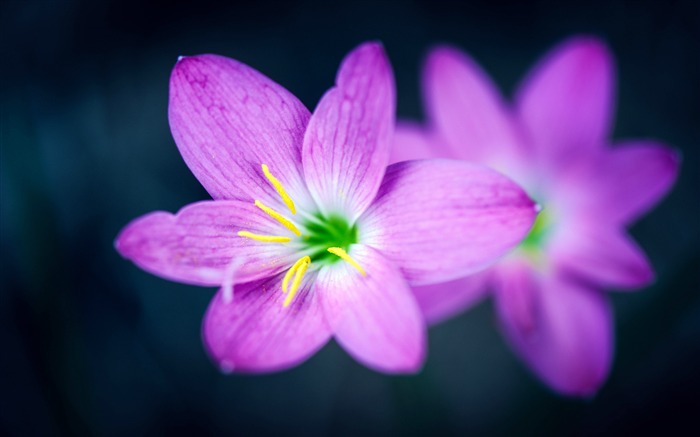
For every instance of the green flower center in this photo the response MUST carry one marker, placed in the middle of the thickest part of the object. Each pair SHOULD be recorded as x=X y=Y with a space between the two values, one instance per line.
x=534 y=240
x=323 y=232
x=325 y=238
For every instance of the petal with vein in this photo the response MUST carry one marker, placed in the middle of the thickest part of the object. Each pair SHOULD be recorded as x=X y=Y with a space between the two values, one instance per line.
x=439 y=220
x=199 y=244
x=374 y=317
x=227 y=120
x=561 y=330
x=602 y=256
x=467 y=108
x=347 y=142
x=566 y=102
x=255 y=333
x=631 y=178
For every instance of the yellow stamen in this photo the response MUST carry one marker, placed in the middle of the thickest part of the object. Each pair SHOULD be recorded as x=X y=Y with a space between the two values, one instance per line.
x=297 y=281
x=264 y=238
x=279 y=217
x=345 y=257
x=290 y=272
x=280 y=190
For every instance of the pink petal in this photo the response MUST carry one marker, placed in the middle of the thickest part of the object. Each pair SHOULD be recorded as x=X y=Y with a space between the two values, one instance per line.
x=199 y=244
x=561 y=330
x=631 y=178
x=466 y=108
x=441 y=301
x=228 y=119
x=602 y=256
x=439 y=220
x=347 y=143
x=256 y=333
x=412 y=141
x=566 y=102
x=374 y=317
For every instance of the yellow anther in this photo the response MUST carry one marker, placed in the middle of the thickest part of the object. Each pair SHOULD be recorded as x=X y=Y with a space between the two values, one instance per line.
x=297 y=281
x=279 y=217
x=290 y=272
x=280 y=189
x=264 y=238
x=345 y=257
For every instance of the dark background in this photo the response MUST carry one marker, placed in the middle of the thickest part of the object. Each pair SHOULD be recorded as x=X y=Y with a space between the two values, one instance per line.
x=93 y=345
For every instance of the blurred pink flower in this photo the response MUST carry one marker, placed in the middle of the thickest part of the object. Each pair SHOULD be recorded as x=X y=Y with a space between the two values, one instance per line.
x=553 y=141
x=310 y=234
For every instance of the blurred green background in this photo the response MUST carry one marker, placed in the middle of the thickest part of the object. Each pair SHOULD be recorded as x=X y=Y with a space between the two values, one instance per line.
x=93 y=345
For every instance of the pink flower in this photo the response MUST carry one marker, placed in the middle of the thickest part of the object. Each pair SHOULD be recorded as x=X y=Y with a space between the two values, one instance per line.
x=310 y=234
x=553 y=142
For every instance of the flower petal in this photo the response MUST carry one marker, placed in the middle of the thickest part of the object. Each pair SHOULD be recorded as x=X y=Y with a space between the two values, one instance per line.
x=441 y=301
x=228 y=119
x=347 y=143
x=439 y=220
x=563 y=331
x=566 y=101
x=200 y=244
x=411 y=141
x=256 y=333
x=374 y=317
x=602 y=256
x=631 y=178
x=466 y=107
